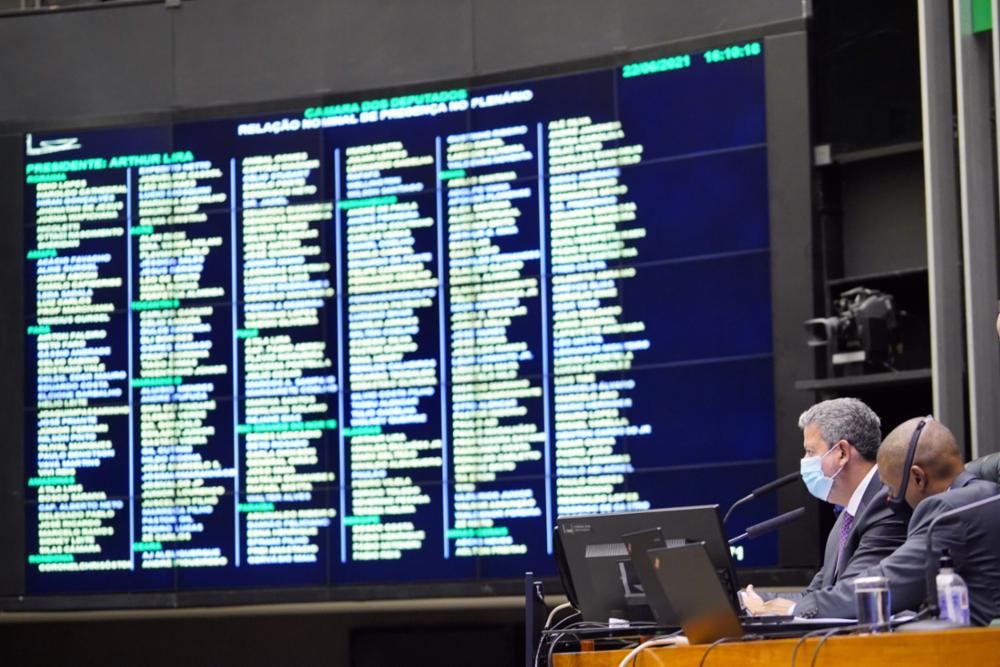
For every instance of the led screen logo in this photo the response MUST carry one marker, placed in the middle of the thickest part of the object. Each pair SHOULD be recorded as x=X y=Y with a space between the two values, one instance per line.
x=46 y=146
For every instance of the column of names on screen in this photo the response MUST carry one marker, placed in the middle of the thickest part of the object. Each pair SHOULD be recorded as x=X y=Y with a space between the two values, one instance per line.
x=181 y=262
x=594 y=344
x=286 y=401
x=81 y=381
x=392 y=434
x=494 y=276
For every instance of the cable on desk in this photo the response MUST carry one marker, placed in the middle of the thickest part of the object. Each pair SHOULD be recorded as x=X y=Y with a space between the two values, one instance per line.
x=585 y=625
x=822 y=641
x=568 y=630
x=673 y=639
x=593 y=627
x=826 y=634
x=802 y=639
x=552 y=647
x=849 y=628
x=546 y=632
x=725 y=640
x=852 y=628
x=546 y=629
x=919 y=616
x=556 y=610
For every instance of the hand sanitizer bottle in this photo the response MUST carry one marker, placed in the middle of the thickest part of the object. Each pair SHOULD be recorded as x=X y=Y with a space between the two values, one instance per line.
x=953 y=594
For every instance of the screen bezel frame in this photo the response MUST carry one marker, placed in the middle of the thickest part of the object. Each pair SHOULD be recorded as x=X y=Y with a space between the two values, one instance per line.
x=788 y=99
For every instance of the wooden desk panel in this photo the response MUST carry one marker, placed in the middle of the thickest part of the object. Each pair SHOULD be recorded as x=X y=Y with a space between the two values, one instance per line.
x=974 y=646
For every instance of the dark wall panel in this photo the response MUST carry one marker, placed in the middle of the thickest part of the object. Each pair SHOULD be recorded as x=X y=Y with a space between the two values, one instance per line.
x=233 y=50
x=284 y=636
x=80 y=64
x=884 y=223
x=394 y=42
x=113 y=62
x=525 y=33
x=789 y=148
x=648 y=22
x=11 y=365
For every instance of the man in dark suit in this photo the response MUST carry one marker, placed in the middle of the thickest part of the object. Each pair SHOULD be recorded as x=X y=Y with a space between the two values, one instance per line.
x=841 y=441
x=937 y=482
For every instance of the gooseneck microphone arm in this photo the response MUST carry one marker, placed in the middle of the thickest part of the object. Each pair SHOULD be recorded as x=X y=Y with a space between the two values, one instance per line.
x=931 y=563
x=762 y=490
x=765 y=527
x=745 y=499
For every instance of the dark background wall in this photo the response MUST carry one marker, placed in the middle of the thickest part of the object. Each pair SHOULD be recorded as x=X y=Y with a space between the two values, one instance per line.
x=115 y=61
x=489 y=634
x=869 y=184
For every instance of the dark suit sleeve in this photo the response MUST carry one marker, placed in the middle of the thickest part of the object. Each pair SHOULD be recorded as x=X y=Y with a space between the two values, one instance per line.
x=826 y=571
x=793 y=597
x=884 y=536
x=906 y=567
x=816 y=583
x=818 y=578
x=974 y=542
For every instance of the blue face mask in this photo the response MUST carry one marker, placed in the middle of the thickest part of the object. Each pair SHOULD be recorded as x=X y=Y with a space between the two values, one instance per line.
x=818 y=484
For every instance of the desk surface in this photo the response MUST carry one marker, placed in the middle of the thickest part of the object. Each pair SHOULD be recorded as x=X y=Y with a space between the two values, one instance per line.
x=974 y=646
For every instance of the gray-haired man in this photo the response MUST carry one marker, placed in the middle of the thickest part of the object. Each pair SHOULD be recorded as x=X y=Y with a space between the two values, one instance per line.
x=841 y=439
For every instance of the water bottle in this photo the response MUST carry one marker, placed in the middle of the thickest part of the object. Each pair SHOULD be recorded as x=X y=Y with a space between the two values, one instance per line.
x=953 y=594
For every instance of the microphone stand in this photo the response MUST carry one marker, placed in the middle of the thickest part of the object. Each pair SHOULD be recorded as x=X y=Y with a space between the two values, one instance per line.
x=765 y=527
x=760 y=491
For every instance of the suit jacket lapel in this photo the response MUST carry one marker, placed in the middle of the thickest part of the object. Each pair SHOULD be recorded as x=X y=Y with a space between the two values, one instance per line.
x=830 y=556
x=870 y=494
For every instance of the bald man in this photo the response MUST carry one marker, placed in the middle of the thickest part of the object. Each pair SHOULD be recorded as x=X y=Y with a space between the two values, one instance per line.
x=935 y=483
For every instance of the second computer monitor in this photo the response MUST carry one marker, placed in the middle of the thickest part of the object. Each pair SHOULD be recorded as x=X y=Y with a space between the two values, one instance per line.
x=598 y=562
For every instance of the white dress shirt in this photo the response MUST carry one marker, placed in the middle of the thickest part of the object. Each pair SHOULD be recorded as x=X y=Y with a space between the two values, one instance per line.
x=855 y=501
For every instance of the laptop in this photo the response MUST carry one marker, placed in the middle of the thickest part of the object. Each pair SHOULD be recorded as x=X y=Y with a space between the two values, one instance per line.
x=692 y=588
x=704 y=609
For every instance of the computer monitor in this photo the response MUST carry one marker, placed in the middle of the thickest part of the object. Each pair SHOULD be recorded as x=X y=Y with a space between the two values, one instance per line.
x=599 y=567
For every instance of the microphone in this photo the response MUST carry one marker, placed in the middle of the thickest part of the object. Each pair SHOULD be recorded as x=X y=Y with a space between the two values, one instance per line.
x=931 y=562
x=762 y=490
x=765 y=527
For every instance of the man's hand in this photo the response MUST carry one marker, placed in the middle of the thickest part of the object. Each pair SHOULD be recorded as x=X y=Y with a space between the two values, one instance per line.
x=777 y=607
x=752 y=602
x=756 y=606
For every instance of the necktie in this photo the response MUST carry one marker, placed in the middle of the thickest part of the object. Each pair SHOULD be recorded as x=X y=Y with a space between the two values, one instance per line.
x=845 y=530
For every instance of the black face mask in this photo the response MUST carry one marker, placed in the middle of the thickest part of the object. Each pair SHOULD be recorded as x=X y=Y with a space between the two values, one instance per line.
x=900 y=507
x=898 y=503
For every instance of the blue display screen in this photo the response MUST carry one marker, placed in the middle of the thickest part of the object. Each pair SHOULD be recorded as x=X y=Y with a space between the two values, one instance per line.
x=393 y=340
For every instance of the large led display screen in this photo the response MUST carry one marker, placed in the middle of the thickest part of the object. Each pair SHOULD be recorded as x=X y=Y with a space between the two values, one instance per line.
x=392 y=339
